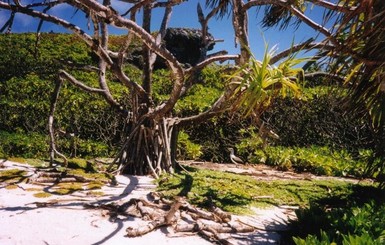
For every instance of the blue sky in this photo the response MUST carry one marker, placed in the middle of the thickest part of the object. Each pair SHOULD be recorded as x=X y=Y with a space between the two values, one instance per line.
x=185 y=15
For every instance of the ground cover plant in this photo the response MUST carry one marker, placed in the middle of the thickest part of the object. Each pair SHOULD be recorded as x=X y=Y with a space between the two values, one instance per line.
x=237 y=193
x=329 y=211
x=314 y=159
x=355 y=219
x=81 y=175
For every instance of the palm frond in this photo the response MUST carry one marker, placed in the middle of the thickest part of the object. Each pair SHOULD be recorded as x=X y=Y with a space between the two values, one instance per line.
x=363 y=36
x=281 y=16
x=225 y=6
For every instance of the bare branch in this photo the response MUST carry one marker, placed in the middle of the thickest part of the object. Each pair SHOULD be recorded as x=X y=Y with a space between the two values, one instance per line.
x=219 y=58
x=165 y=21
x=254 y=3
x=134 y=9
x=307 y=45
x=119 y=73
x=333 y=6
x=65 y=75
x=8 y=24
x=110 y=16
x=43 y=16
x=329 y=75
x=103 y=65
x=313 y=24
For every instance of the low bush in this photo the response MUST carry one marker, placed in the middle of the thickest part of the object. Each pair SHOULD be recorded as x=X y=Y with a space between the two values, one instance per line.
x=352 y=224
x=314 y=159
x=187 y=149
x=320 y=160
x=83 y=148
x=320 y=119
x=237 y=193
x=31 y=145
x=34 y=145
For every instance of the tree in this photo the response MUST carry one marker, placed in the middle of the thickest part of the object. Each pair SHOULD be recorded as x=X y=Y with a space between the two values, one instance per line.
x=150 y=143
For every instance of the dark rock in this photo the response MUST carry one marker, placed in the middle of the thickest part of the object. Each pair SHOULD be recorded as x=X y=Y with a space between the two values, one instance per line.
x=184 y=43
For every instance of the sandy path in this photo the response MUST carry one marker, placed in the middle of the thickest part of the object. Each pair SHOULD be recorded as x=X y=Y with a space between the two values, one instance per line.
x=67 y=222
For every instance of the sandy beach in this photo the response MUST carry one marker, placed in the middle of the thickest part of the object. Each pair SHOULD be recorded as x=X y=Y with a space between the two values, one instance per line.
x=26 y=219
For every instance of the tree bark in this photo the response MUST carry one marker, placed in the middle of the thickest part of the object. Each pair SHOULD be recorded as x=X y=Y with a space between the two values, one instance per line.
x=52 y=144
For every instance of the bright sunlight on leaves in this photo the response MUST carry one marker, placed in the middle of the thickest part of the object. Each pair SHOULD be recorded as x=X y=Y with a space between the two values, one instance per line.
x=257 y=83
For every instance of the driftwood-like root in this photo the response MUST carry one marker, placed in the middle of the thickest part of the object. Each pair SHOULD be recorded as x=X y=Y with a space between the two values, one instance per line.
x=181 y=216
x=157 y=221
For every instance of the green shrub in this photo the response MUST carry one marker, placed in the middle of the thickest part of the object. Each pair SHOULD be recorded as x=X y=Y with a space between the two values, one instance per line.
x=24 y=104
x=77 y=147
x=362 y=239
x=352 y=224
x=27 y=83
x=187 y=150
x=313 y=240
x=250 y=142
x=320 y=120
x=314 y=159
x=78 y=163
x=34 y=145
x=23 y=145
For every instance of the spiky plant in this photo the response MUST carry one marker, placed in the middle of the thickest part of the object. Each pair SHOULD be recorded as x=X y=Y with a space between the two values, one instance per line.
x=362 y=33
x=257 y=83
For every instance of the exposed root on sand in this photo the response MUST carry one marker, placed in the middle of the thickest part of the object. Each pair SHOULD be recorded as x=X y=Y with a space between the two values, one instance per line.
x=177 y=214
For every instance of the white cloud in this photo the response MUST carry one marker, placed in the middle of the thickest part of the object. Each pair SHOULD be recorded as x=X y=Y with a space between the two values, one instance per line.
x=61 y=10
x=121 y=6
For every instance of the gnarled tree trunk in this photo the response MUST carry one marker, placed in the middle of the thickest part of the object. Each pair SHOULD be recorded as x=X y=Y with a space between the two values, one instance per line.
x=147 y=149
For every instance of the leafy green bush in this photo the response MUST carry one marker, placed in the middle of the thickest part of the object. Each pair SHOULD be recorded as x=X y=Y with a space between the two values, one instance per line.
x=202 y=95
x=85 y=148
x=29 y=64
x=23 y=145
x=315 y=159
x=43 y=54
x=34 y=145
x=216 y=135
x=352 y=224
x=320 y=119
x=24 y=104
x=78 y=163
x=186 y=148
x=312 y=239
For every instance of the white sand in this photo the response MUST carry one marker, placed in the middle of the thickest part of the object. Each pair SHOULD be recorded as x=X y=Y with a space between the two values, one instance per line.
x=67 y=222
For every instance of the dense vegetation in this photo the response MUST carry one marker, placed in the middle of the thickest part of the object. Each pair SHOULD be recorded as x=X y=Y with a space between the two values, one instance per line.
x=315 y=125
x=315 y=133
